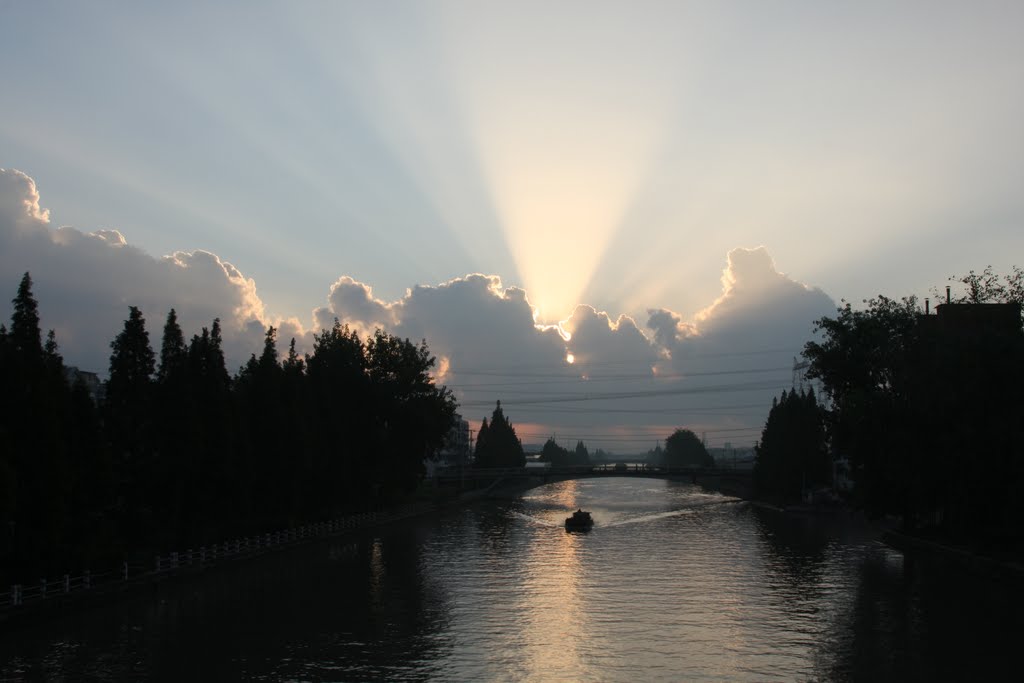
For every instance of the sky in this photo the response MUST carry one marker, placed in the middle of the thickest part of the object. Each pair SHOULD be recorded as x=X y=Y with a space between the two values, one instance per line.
x=669 y=193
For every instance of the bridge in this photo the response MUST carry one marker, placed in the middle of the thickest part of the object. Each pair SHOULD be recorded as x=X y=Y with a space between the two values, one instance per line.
x=734 y=482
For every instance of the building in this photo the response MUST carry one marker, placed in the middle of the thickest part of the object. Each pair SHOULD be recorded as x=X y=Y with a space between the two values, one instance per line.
x=90 y=380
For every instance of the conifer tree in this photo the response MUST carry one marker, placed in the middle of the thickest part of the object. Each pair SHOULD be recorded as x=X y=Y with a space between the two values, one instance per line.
x=24 y=335
x=293 y=364
x=173 y=352
x=480 y=451
x=501 y=447
x=128 y=413
x=792 y=456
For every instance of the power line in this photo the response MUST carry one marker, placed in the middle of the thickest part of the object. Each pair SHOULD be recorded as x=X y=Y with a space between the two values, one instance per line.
x=727 y=388
x=610 y=378
x=544 y=369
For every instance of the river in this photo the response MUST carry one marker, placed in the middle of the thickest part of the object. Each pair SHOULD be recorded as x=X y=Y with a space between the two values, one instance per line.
x=671 y=584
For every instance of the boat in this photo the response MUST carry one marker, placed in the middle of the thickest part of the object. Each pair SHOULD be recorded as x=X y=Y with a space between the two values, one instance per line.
x=580 y=521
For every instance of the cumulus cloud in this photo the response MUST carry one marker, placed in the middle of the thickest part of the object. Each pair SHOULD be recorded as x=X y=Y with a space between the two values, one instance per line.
x=353 y=302
x=761 y=313
x=600 y=345
x=739 y=350
x=717 y=371
x=755 y=295
x=85 y=282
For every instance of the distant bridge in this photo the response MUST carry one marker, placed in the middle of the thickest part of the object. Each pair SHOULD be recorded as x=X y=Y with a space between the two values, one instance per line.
x=730 y=481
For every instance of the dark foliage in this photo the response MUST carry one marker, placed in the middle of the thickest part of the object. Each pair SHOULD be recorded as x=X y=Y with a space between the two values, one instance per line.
x=792 y=456
x=684 y=449
x=177 y=454
x=497 y=444
x=927 y=409
x=559 y=456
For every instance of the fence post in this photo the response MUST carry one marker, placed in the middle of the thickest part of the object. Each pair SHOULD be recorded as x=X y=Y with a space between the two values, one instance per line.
x=87 y=578
x=67 y=583
x=174 y=560
x=202 y=555
x=124 y=570
x=16 y=594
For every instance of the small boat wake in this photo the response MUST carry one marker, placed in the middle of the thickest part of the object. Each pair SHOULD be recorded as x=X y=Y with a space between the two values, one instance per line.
x=536 y=520
x=681 y=512
x=651 y=518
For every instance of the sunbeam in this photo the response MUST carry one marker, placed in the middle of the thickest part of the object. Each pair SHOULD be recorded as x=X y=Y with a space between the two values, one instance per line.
x=564 y=136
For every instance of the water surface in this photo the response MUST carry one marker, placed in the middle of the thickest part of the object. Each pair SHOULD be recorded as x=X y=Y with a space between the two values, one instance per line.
x=671 y=584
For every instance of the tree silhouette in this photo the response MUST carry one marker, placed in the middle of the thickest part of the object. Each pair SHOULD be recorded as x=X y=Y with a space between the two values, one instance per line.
x=24 y=336
x=184 y=455
x=173 y=352
x=554 y=454
x=497 y=444
x=128 y=419
x=927 y=408
x=684 y=449
x=792 y=456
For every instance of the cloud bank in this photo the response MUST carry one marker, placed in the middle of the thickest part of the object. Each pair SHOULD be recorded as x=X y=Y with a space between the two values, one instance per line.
x=85 y=281
x=625 y=385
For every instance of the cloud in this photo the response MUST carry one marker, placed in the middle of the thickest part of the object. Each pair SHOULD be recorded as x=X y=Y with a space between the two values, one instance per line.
x=601 y=345
x=20 y=199
x=756 y=295
x=628 y=385
x=85 y=282
x=353 y=302
x=740 y=349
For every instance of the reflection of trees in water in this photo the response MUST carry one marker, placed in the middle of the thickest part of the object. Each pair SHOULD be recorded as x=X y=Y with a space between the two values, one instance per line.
x=871 y=634
x=795 y=546
x=495 y=524
x=923 y=619
x=307 y=614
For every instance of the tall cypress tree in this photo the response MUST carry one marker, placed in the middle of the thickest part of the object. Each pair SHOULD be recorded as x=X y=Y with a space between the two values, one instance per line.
x=501 y=447
x=792 y=456
x=172 y=429
x=173 y=352
x=128 y=409
x=25 y=336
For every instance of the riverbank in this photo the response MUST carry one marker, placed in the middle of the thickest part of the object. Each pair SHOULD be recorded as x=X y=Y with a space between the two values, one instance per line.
x=968 y=557
x=21 y=603
x=889 y=534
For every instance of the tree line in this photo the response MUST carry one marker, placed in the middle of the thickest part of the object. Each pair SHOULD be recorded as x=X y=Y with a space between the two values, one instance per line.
x=178 y=452
x=924 y=410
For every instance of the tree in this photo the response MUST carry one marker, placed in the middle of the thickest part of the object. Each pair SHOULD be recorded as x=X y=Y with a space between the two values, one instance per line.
x=989 y=287
x=173 y=352
x=499 y=446
x=293 y=365
x=36 y=442
x=926 y=408
x=684 y=449
x=129 y=388
x=792 y=456
x=864 y=362
x=481 y=441
x=24 y=336
x=129 y=422
x=553 y=453
x=414 y=416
